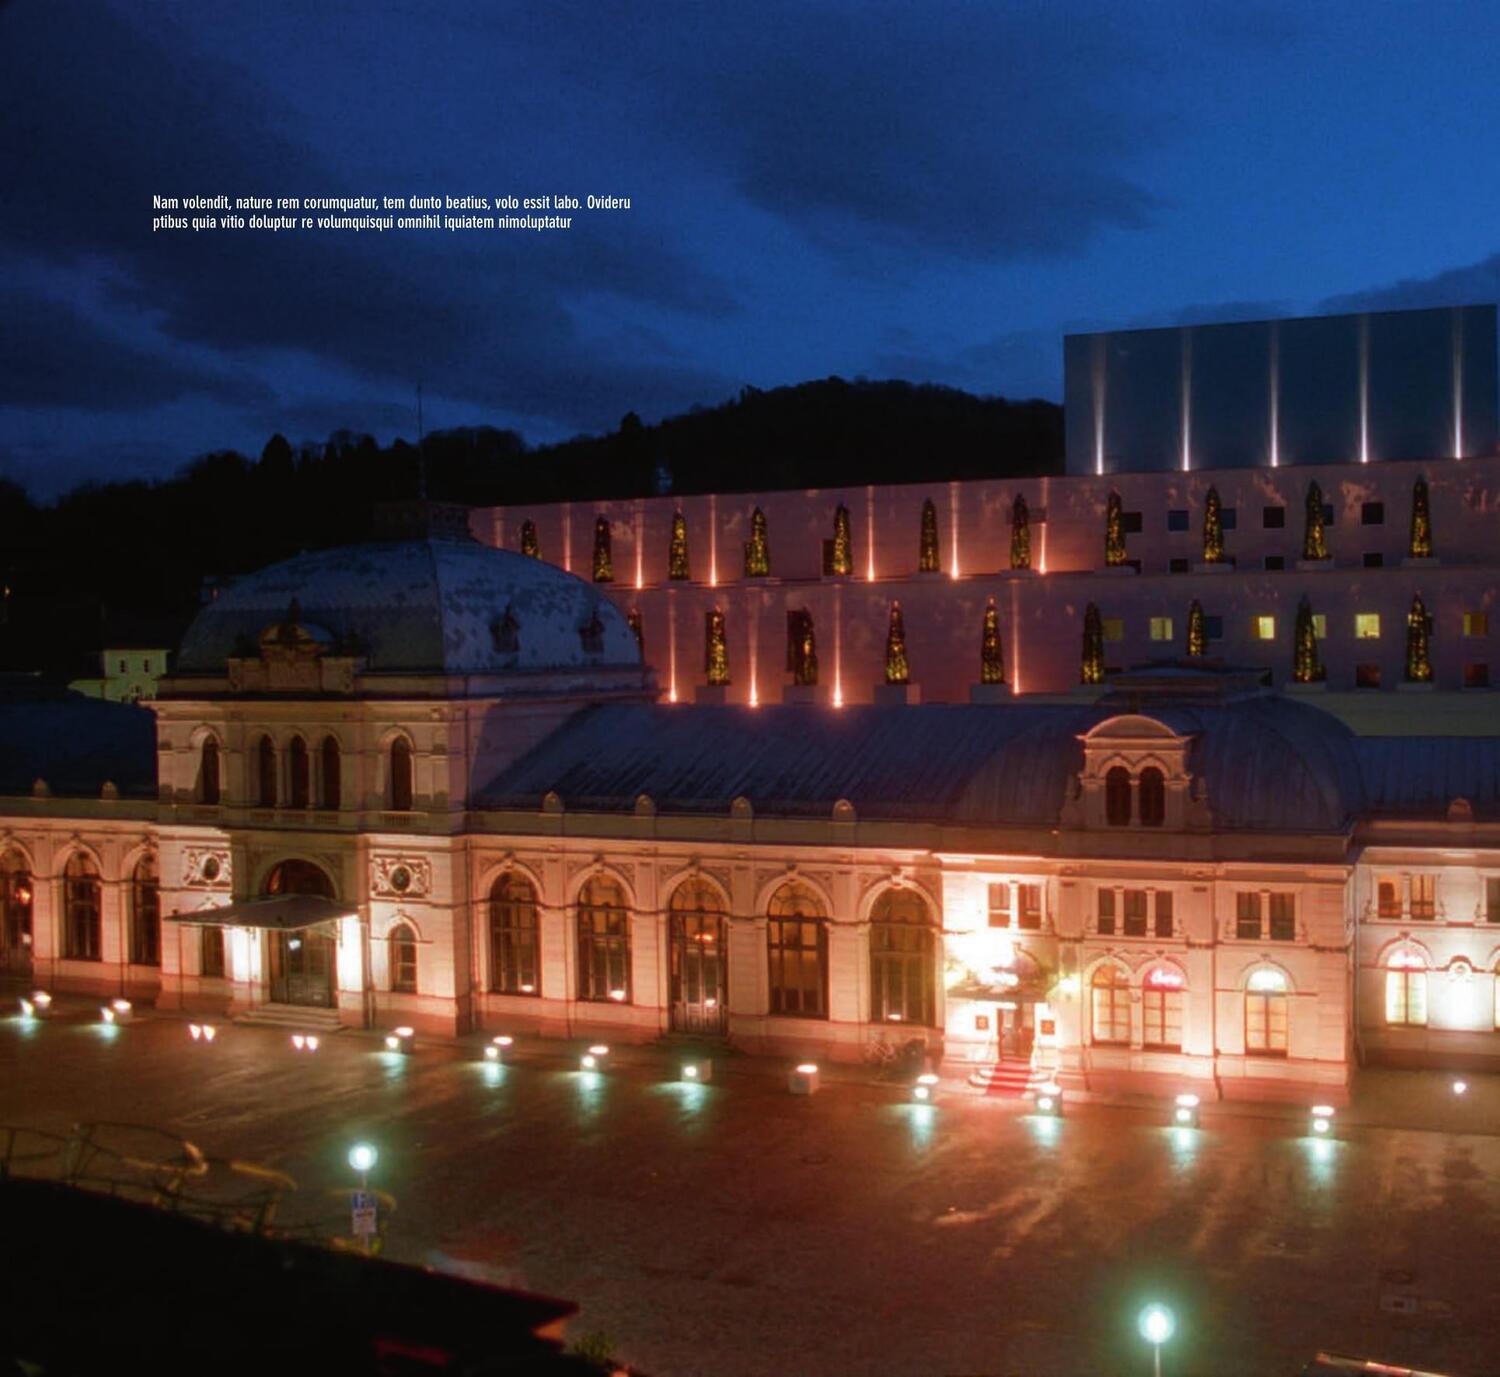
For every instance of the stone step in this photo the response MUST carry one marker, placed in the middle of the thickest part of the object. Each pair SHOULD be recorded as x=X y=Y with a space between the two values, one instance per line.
x=1006 y=1078
x=292 y=1017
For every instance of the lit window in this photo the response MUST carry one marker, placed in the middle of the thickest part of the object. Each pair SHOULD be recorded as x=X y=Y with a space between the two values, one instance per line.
x=698 y=960
x=603 y=942
x=797 y=947
x=1110 y=1006
x=1114 y=628
x=1423 y=896
x=1266 y=1014
x=1161 y=628
x=1161 y=1013
x=1265 y=628
x=1320 y=625
x=1000 y=905
x=403 y=959
x=1406 y=997
x=1476 y=623
x=902 y=967
x=514 y=967
x=1367 y=626
x=1388 y=897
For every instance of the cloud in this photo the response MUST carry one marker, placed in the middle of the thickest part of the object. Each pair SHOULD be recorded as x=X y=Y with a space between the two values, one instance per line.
x=53 y=355
x=1472 y=285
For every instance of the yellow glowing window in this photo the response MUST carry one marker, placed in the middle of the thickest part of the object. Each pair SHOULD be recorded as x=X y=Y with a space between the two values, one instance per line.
x=1476 y=623
x=1320 y=626
x=1367 y=626
x=1265 y=628
x=1161 y=628
x=1114 y=628
x=1406 y=997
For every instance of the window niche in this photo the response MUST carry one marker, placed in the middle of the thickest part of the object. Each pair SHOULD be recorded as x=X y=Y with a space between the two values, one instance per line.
x=1135 y=776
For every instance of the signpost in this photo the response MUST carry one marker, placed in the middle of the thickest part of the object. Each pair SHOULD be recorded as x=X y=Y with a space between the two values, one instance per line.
x=364 y=1217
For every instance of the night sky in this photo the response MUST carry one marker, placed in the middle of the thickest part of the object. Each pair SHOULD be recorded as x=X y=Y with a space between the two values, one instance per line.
x=924 y=191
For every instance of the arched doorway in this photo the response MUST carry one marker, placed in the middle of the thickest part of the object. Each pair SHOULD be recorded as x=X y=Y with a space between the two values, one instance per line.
x=302 y=962
x=699 y=962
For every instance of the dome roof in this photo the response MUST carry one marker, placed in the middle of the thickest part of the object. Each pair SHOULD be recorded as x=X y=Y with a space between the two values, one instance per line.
x=420 y=607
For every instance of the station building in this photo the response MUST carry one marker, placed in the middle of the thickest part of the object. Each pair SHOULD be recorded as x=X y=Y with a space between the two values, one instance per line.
x=439 y=780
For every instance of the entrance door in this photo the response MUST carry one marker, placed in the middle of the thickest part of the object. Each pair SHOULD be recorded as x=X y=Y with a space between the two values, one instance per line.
x=1017 y=1029
x=699 y=970
x=302 y=968
x=15 y=916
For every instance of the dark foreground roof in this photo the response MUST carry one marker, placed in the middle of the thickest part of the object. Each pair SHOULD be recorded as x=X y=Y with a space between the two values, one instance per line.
x=76 y=744
x=1270 y=764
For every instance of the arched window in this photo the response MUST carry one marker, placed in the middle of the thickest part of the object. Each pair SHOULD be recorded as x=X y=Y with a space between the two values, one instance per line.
x=603 y=942
x=145 y=914
x=1161 y=1009
x=697 y=962
x=208 y=771
x=81 y=898
x=1153 y=797
x=797 y=943
x=514 y=967
x=265 y=769
x=902 y=974
x=299 y=877
x=1266 y=1013
x=1110 y=1005
x=403 y=957
x=333 y=774
x=1406 y=991
x=398 y=794
x=299 y=775
x=1117 y=796
x=15 y=913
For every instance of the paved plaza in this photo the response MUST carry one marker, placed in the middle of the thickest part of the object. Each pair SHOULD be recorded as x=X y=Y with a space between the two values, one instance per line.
x=733 y=1228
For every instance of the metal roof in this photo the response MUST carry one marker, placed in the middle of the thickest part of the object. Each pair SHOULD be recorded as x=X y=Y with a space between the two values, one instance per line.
x=418 y=606
x=77 y=744
x=1421 y=775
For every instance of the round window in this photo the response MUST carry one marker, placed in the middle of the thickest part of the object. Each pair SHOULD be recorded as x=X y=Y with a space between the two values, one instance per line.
x=210 y=868
x=400 y=879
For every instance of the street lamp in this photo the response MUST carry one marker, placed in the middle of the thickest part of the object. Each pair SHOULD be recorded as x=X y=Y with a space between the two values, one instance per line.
x=1157 y=1325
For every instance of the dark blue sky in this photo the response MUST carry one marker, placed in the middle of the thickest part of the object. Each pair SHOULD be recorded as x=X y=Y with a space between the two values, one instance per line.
x=916 y=190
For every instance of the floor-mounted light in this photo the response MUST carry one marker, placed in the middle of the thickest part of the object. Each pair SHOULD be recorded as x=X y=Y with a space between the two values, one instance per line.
x=595 y=1059
x=400 y=1040
x=803 y=1079
x=1186 y=1114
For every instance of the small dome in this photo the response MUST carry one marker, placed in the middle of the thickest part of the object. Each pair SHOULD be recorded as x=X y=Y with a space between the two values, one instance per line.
x=420 y=607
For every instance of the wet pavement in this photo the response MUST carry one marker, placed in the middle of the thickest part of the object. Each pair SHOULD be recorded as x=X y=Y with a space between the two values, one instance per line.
x=733 y=1228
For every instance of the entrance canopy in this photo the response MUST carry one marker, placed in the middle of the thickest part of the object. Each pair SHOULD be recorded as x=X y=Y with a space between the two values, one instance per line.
x=278 y=913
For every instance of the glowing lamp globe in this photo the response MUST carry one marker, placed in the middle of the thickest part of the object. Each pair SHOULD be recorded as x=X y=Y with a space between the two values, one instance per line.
x=362 y=1157
x=1157 y=1324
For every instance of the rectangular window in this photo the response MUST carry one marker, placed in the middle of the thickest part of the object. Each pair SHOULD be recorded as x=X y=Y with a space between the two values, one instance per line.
x=1107 y=912
x=1247 y=915
x=1135 y=913
x=1265 y=628
x=1492 y=899
x=1275 y=563
x=211 y=951
x=798 y=951
x=1283 y=917
x=1177 y=519
x=1000 y=905
x=122 y=666
x=1213 y=628
x=1367 y=626
x=1161 y=1014
x=1406 y=998
x=1374 y=559
x=1424 y=896
x=1114 y=628
x=1372 y=514
x=1476 y=623
x=1131 y=523
x=1161 y=628
x=1273 y=518
x=1388 y=897
x=1163 y=912
x=1320 y=626
x=1228 y=518
x=1266 y=1023
x=1367 y=676
x=1328 y=513
x=1476 y=676
x=1177 y=566
x=1030 y=897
